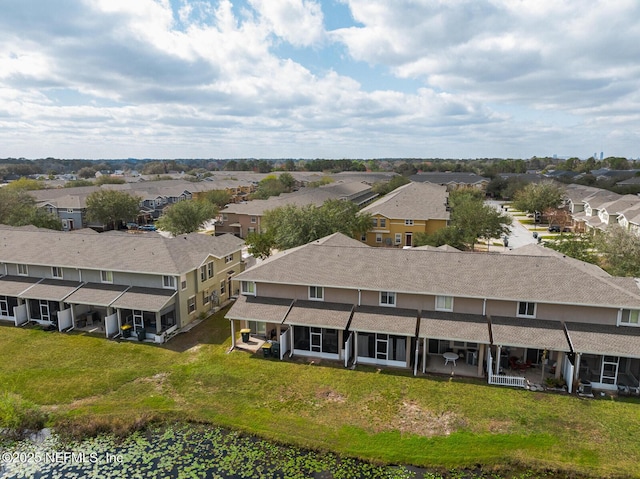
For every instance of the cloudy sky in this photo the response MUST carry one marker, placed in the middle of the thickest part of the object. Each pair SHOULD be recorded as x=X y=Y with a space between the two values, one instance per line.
x=319 y=79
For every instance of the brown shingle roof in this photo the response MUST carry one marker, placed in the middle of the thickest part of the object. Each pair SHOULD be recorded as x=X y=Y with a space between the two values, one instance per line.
x=547 y=279
x=271 y=310
x=529 y=333
x=319 y=314
x=145 y=299
x=456 y=326
x=418 y=201
x=14 y=285
x=113 y=252
x=51 y=290
x=96 y=294
x=604 y=339
x=374 y=319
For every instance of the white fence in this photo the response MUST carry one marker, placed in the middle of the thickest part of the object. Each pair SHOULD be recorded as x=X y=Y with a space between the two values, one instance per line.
x=502 y=380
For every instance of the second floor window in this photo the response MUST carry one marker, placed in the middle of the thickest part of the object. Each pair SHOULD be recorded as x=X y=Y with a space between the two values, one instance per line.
x=408 y=222
x=383 y=222
x=374 y=222
x=229 y=258
x=203 y=273
x=444 y=303
x=56 y=272
x=248 y=287
x=526 y=309
x=106 y=276
x=316 y=293
x=210 y=269
x=23 y=270
x=169 y=282
x=630 y=317
x=387 y=298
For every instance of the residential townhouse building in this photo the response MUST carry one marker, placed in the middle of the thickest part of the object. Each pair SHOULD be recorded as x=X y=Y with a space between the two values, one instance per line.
x=452 y=180
x=338 y=299
x=102 y=282
x=240 y=219
x=410 y=209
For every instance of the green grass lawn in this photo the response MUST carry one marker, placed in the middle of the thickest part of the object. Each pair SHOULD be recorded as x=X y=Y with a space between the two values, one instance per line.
x=380 y=415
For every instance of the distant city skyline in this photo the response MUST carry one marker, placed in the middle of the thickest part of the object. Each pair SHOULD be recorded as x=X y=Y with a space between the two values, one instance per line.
x=319 y=79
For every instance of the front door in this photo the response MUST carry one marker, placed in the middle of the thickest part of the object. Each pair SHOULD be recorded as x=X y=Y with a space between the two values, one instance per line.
x=408 y=239
x=44 y=311
x=138 y=320
x=70 y=225
x=609 y=370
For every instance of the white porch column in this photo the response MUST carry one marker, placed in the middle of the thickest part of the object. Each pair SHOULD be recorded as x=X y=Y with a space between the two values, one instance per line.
x=158 y=323
x=415 y=359
x=233 y=334
x=355 y=348
x=499 y=351
x=424 y=355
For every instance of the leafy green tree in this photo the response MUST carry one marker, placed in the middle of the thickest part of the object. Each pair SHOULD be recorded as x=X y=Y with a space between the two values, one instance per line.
x=384 y=187
x=287 y=180
x=260 y=244
x=580 y=247
x=108 y=207
x=17 y=208
x=76 y=183
x=25 y=184
x=269 y=186
x=290 y=226
x=538 y=197
x=471 y=219
x=87 y=172
x=186 y=217
x=619 y=251
x=218 y=198
x=290 y=165
x=109 y=180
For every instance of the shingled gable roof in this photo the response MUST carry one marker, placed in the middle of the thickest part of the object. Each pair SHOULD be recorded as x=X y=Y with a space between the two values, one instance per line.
x=418 y=201
x=547 y=279
x=152 y=254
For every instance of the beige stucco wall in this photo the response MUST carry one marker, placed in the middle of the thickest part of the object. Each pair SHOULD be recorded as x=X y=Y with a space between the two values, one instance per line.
x=582 y=314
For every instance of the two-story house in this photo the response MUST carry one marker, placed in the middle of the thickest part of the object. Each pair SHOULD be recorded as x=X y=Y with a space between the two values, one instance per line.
x=410 y=209
x=150 y=285
x=338 y=299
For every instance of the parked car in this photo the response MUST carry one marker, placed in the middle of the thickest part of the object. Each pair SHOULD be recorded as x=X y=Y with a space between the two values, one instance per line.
x=132 y=226
x=554 y=229
x=148 y=228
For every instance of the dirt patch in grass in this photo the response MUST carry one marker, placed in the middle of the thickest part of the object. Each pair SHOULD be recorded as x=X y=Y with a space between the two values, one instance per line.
x=411 y=418
x=330 y=395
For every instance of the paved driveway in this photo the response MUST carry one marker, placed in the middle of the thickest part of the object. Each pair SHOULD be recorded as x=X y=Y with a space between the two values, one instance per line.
x=520 y=235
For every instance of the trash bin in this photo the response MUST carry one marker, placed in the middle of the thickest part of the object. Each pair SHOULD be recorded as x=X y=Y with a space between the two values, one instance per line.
x=535 y=234
x=275 y=349
x=266 y=350
x=126 y=331
x=584 y=387
x=142 y=334
x=245 y=335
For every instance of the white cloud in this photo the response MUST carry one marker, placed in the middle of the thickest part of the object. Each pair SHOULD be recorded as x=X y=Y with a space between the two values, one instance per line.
x=299 y=22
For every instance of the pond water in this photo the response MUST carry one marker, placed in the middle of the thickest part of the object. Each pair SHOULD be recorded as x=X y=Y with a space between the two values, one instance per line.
x=182 y=451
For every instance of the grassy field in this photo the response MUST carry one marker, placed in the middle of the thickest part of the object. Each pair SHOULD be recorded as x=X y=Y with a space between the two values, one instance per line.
x=380 y=415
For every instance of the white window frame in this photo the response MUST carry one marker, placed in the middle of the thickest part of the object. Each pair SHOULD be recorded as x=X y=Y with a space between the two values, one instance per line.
x=383 y=222
x=210 y=269
x=525 y=315
x=378 y=237
x=23 y=270
x=441 y=303
x=228 y=258
x=203 y=273
x=374 y=222
x=223 y=287
x=191 y=305
x=168 y=282
x=408 y=222
x=106 y=276
x=205 y=297
x=56 y=272
x=254 y=220
x=398 y=238
x=388 y=299
x=632 y=317
x=313 y=293
x=69 y=210
x=248 y=288
x=363 y=237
